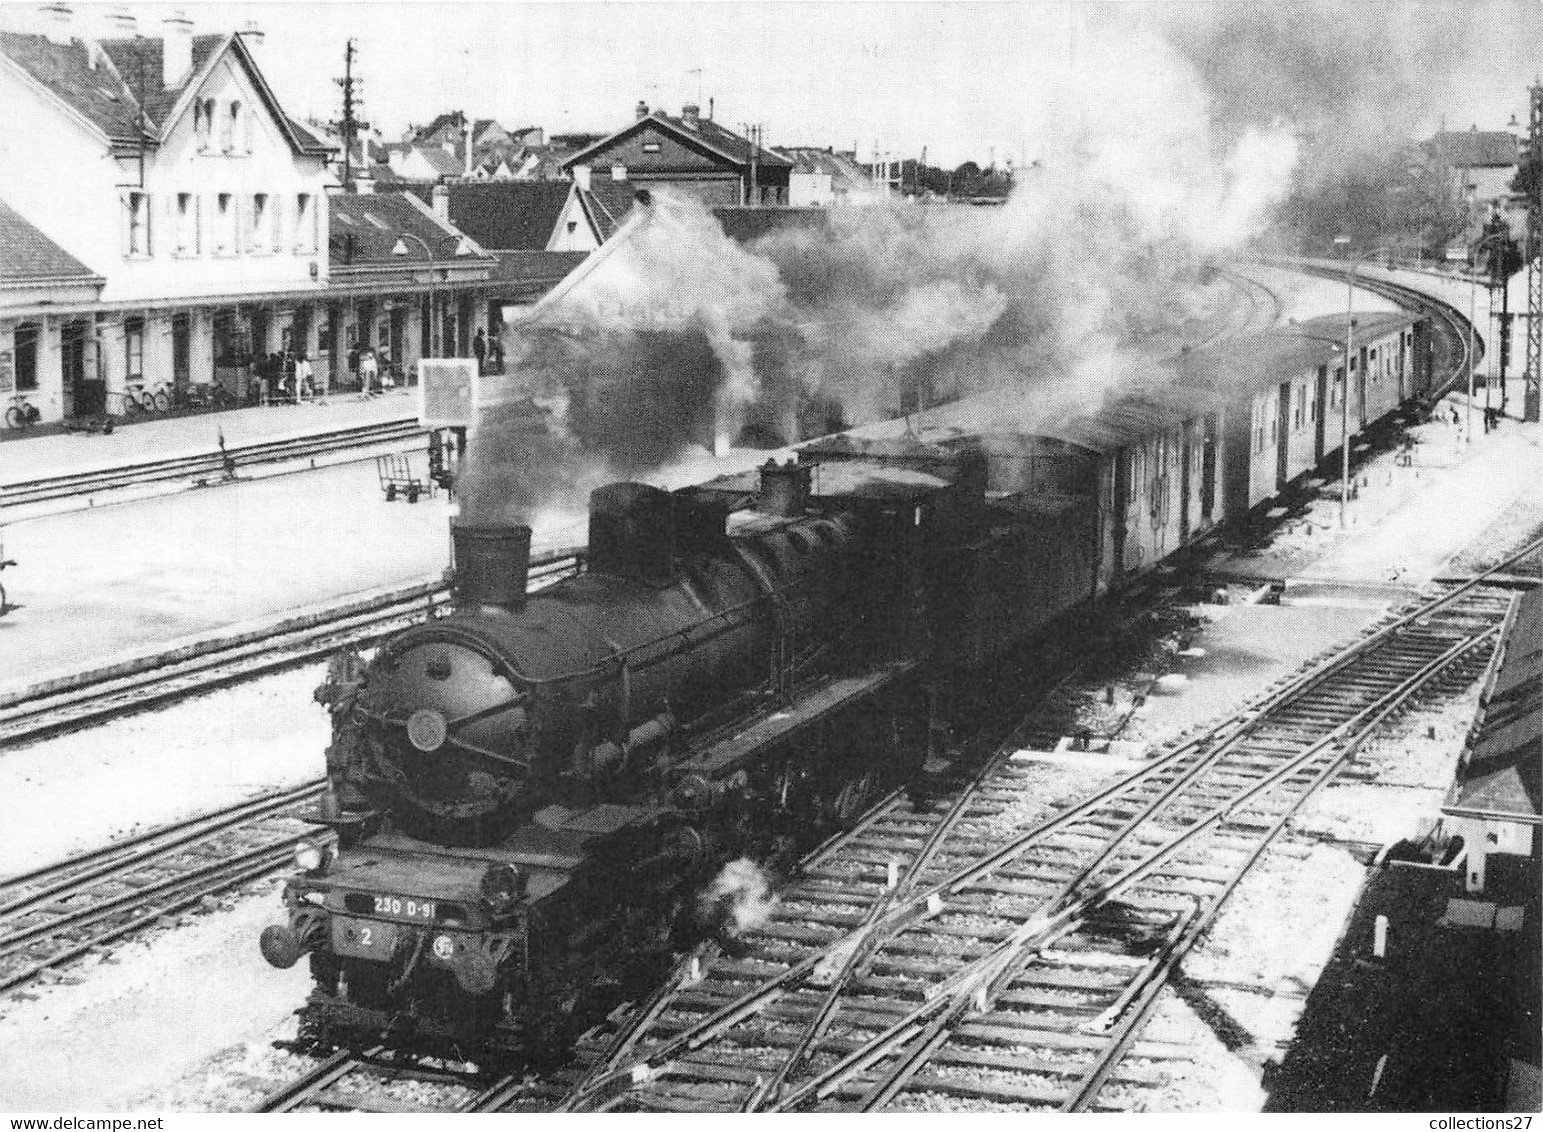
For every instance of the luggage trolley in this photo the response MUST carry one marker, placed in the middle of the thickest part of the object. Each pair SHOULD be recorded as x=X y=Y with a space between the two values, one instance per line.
x=397 y=478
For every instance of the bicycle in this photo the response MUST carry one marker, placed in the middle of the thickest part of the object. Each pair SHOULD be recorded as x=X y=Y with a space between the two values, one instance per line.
x=160 y=396
x=146 y=397
x=22 y=413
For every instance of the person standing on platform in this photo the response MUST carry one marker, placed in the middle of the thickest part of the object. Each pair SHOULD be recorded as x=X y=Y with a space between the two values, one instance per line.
x=479 y=347
x=368 y=369
x=496 y=356
x=305 y=378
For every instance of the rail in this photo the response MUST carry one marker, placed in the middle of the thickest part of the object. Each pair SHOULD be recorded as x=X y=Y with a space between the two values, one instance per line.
x=136 y=685
x=140 y=473
x=1150 y=842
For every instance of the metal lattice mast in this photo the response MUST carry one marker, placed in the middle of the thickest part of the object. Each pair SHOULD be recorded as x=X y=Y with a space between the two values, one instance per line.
x=1534 y=262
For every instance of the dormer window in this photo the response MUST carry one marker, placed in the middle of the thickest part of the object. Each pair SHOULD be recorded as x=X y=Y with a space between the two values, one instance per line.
x=203 y=123
x=231 y=128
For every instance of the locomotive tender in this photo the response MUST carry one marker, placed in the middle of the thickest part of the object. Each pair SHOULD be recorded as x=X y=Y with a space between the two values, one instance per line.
x=529 y=792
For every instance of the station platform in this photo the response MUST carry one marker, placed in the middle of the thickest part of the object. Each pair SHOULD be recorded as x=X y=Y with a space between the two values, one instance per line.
x=38 y=453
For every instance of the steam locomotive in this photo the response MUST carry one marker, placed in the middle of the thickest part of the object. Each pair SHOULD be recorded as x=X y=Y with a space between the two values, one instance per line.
x=529 y=792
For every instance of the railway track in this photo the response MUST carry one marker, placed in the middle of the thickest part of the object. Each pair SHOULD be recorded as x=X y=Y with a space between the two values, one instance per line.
x=192 y=467
x=53 y=916
x=1449 y=324
x=94 y=697
x=995 y=956
x=355 y=1081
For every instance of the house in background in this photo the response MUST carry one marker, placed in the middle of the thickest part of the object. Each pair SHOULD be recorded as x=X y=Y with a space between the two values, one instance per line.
x=829 y=177
x=527 y=216
x=1479 y=165
x=689 y=153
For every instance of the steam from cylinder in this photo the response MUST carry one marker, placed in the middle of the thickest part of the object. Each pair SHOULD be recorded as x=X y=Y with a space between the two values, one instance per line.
x=738 y=900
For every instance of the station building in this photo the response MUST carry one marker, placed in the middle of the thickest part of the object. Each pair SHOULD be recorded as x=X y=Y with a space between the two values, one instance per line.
x=171 y=227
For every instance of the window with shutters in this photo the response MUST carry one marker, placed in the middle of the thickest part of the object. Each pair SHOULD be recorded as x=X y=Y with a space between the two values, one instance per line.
x=276 y=231
x=224 y=224
x=136 y=220
x=305 y=223
x=187 y=224
x=259 y=239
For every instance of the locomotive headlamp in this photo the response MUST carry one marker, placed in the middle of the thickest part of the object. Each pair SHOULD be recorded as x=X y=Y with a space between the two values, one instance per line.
x=427 y=730
x=502 y=886
x=309 y=856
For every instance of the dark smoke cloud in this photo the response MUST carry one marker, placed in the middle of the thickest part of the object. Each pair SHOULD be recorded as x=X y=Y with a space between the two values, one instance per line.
x=1345 y=78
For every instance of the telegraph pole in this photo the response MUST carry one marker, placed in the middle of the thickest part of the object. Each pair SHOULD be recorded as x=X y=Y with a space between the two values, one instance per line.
x=350 y=124
x=1534 y=265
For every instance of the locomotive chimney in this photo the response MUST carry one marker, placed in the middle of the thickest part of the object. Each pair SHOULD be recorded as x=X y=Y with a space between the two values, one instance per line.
x=784 y=488
x=492 y=563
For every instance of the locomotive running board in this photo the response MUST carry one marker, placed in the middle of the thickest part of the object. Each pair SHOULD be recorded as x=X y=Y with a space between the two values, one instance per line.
x=826 y=698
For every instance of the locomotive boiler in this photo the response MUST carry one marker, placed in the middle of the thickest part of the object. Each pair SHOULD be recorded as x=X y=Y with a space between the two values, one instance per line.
x=528 y=792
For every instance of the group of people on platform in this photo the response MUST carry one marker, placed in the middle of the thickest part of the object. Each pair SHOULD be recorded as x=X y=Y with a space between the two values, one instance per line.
x=287 y=378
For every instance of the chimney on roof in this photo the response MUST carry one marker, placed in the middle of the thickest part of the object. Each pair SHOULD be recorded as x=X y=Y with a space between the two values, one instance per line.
x=253 y=35
x=57 y=18
x=691 y=115
x=709 y=108
x=466 y=124
x=122 y=22
x=177 y=49
x=642 y=110
x=442 y=202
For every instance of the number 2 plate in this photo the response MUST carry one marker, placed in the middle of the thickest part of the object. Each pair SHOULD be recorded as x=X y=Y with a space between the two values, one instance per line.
x=363 y=939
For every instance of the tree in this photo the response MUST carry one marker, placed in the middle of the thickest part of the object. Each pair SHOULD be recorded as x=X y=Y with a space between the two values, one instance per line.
x=967 y=180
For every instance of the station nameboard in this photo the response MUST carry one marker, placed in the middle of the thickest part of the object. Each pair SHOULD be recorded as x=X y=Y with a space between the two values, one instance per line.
x=447 y=392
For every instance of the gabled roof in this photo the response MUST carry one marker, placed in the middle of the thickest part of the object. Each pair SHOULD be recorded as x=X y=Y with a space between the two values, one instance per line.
x=1501 y=773
x=839 y=167
x=103 y=83
x=28 y=257
x=139 y=62
x=509 y=215
x=535 y=273
x=606 y=203
x=83 y=79
x=365 y=227
x=1473 y=149
x=708 y=136
x=442 y=162
x=747 y=223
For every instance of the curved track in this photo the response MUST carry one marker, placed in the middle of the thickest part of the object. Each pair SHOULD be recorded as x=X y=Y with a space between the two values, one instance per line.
x=1449 y=325
x=1009 y=959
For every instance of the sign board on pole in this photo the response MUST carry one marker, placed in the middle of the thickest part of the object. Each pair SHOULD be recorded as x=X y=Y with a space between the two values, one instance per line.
x=447 y=392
